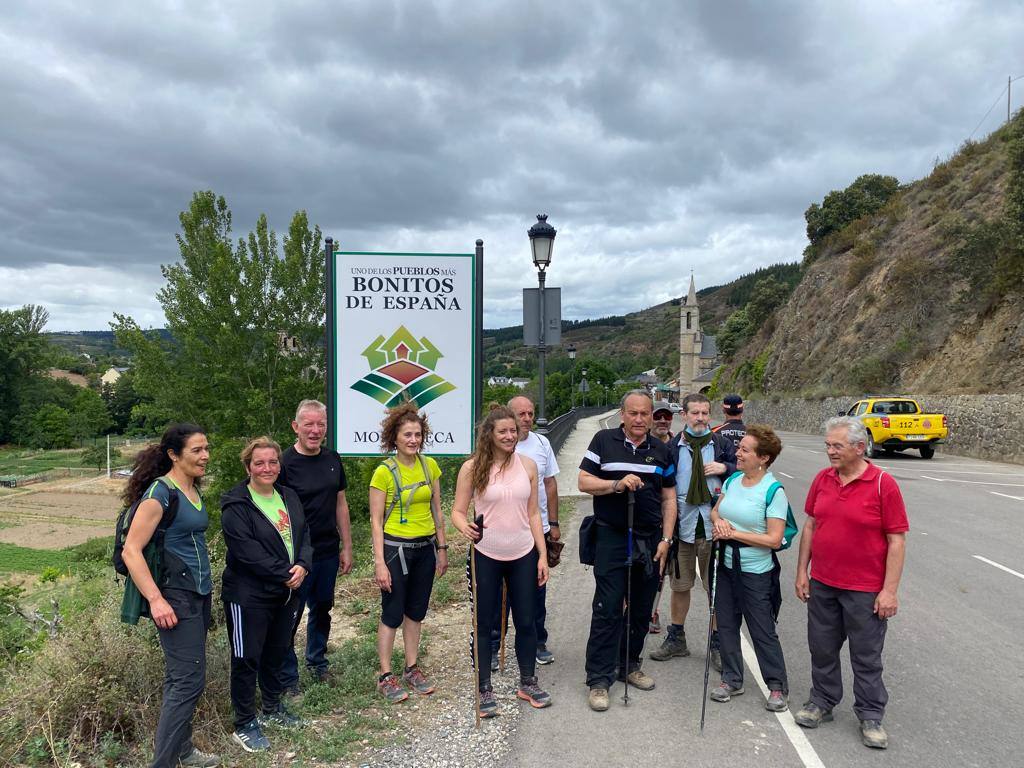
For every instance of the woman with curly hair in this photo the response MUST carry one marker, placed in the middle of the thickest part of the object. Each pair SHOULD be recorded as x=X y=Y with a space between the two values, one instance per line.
x=166 y=478
x=502 y=486
x=409 y=545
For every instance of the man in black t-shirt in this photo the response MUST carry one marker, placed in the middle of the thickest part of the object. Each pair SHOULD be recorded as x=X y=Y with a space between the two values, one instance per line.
x=315 y=473
x=619 y=461
x=733 y=426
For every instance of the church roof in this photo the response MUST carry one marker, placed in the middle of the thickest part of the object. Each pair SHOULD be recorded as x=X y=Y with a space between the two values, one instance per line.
x=708 y=348
x=707 y=375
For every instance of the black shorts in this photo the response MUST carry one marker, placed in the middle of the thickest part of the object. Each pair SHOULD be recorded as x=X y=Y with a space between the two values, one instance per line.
x=410 y=592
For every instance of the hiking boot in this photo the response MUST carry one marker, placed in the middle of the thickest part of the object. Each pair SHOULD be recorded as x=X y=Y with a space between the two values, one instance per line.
x=811 y=715
x=873 y=735
x=251 y=738
x=488 y=703
x=322 y=675
x=724 y=692
x=280 y=717
x=530 y=691
x=391 y=689
x=598 y=699
x=673 y=645
x=293 y=690
x=777 y=702
x=639 y=680
x=544 y=656
x=198 y=759
x=416 y=680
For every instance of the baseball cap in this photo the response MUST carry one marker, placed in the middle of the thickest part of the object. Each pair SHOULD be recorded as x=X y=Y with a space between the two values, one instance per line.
x=660 y=405
x=733 y=403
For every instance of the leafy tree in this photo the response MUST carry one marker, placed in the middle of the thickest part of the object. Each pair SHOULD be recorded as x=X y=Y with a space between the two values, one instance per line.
x=52 y=427
x=863 y=197
x=24 y=354
x=121 y=400
x=89 y=415
x=768 y=294
x=95 y=456
x=736 y=330
x=228 y=308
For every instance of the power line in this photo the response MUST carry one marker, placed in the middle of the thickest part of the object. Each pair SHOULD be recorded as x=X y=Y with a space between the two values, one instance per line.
x=998 y=99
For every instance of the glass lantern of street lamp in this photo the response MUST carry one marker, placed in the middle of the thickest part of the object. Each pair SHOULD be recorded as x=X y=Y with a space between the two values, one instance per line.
x=571 y=349
x=542 y=241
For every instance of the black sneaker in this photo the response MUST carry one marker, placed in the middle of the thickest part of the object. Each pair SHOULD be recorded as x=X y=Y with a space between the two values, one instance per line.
x=544 y=656
x=488 y=703
x=251 y=738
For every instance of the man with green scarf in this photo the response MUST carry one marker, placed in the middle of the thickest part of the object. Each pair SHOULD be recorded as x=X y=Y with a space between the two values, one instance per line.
x=703 y=461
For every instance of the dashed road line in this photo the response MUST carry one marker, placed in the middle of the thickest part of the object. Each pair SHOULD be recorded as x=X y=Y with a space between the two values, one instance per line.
x=990 y=562
x=1007 y=496
x=971 y=482
x=785 y=475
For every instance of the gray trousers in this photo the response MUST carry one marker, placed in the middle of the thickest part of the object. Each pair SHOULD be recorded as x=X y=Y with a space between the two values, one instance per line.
x=184 y=675
x=756 y=611
x=833 y=616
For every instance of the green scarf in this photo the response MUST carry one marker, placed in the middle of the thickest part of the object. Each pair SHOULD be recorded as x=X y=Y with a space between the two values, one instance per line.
x=698 y=493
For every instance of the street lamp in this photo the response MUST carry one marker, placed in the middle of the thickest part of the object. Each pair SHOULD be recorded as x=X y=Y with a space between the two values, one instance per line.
x=584 y=387
x=542 y=241
x=571 y=349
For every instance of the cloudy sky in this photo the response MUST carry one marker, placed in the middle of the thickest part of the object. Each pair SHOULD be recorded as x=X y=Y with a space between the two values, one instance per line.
x=659 y=137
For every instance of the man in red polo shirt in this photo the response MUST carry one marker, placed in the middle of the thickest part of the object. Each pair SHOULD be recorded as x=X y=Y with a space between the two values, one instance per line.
x=854 y=542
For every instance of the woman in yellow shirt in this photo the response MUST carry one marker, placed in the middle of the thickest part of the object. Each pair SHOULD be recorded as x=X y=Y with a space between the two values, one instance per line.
x=409 y=545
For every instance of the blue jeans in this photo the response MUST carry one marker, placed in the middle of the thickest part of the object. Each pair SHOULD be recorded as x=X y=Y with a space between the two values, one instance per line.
x=317 y=594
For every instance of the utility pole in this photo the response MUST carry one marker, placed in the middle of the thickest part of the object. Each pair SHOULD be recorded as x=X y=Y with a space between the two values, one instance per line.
x=1009 y=84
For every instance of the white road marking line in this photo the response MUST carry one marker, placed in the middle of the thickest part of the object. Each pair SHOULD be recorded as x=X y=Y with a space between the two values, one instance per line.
x=811 y=451
x=785 y=475
x=960 y=471
x=976 y=557
x=922 y=533
x=794 y=732
x=971 y=482
x=1007 y=496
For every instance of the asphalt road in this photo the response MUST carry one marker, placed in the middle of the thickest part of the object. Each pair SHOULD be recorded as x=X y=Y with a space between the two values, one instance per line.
x=954 y=654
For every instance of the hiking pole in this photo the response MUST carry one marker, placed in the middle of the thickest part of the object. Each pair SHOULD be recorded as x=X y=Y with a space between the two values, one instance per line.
x=504 y=626
x=475 y=640
x=716 y=547
x=657 y=599
x=630 y=500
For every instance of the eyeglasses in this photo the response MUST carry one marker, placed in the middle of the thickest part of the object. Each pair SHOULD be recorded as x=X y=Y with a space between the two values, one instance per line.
x=663 y=417
x=836 y=446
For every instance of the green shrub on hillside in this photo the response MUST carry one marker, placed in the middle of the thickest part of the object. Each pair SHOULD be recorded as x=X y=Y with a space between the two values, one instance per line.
x=863 y=197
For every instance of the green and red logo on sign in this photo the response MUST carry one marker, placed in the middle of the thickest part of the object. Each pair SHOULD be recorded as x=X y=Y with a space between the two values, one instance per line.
x=401 y=369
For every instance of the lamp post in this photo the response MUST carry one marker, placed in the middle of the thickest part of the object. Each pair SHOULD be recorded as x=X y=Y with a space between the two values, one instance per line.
x=571 y=349
x=542 y=242
x=584 y=387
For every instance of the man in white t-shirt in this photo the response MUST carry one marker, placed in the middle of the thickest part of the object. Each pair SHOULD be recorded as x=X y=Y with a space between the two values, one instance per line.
x=538 y=448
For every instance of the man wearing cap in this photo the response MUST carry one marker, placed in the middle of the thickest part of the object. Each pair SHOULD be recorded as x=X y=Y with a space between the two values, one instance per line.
x=702 y=460
x=662 y=425
x=733 y=426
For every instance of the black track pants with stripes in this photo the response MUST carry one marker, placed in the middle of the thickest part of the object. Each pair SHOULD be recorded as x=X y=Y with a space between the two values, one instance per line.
x=259 y=636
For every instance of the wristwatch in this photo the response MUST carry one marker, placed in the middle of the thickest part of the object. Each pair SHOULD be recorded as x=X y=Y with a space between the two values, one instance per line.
x=441 y=546
x=553 y=523
x=666 y=539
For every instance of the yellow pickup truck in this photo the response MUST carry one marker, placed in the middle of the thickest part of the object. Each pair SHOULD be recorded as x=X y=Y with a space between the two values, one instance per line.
x=898 y=423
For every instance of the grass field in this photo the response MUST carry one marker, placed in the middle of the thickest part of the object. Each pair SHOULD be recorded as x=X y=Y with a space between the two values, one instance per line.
x=23 y=461
x=15 y=559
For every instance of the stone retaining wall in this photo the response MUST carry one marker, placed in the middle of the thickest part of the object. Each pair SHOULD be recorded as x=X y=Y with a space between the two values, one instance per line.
x=982 y=426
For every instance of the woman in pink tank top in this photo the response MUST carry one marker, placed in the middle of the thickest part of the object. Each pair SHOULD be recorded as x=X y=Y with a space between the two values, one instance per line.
x=509 y=548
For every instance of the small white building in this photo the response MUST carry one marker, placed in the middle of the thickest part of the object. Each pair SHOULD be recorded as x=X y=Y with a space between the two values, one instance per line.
x=112 y=375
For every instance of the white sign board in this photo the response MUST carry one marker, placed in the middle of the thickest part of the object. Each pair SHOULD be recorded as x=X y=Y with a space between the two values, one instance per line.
x=404 y=330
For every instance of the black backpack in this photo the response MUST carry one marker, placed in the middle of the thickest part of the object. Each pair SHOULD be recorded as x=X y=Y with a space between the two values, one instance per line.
x=124 y=522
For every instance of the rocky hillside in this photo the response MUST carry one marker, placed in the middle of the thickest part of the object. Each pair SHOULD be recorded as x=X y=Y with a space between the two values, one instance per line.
x=924 y=296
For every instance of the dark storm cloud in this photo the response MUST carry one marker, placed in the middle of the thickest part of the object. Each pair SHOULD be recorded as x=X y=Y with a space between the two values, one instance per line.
x=686 y=136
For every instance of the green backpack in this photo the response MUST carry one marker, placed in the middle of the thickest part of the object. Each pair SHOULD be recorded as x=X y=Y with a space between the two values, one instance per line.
x=792 y=529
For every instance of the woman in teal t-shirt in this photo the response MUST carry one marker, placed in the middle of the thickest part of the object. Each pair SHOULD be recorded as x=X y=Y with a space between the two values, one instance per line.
x=752 y=514
x=407 y=527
